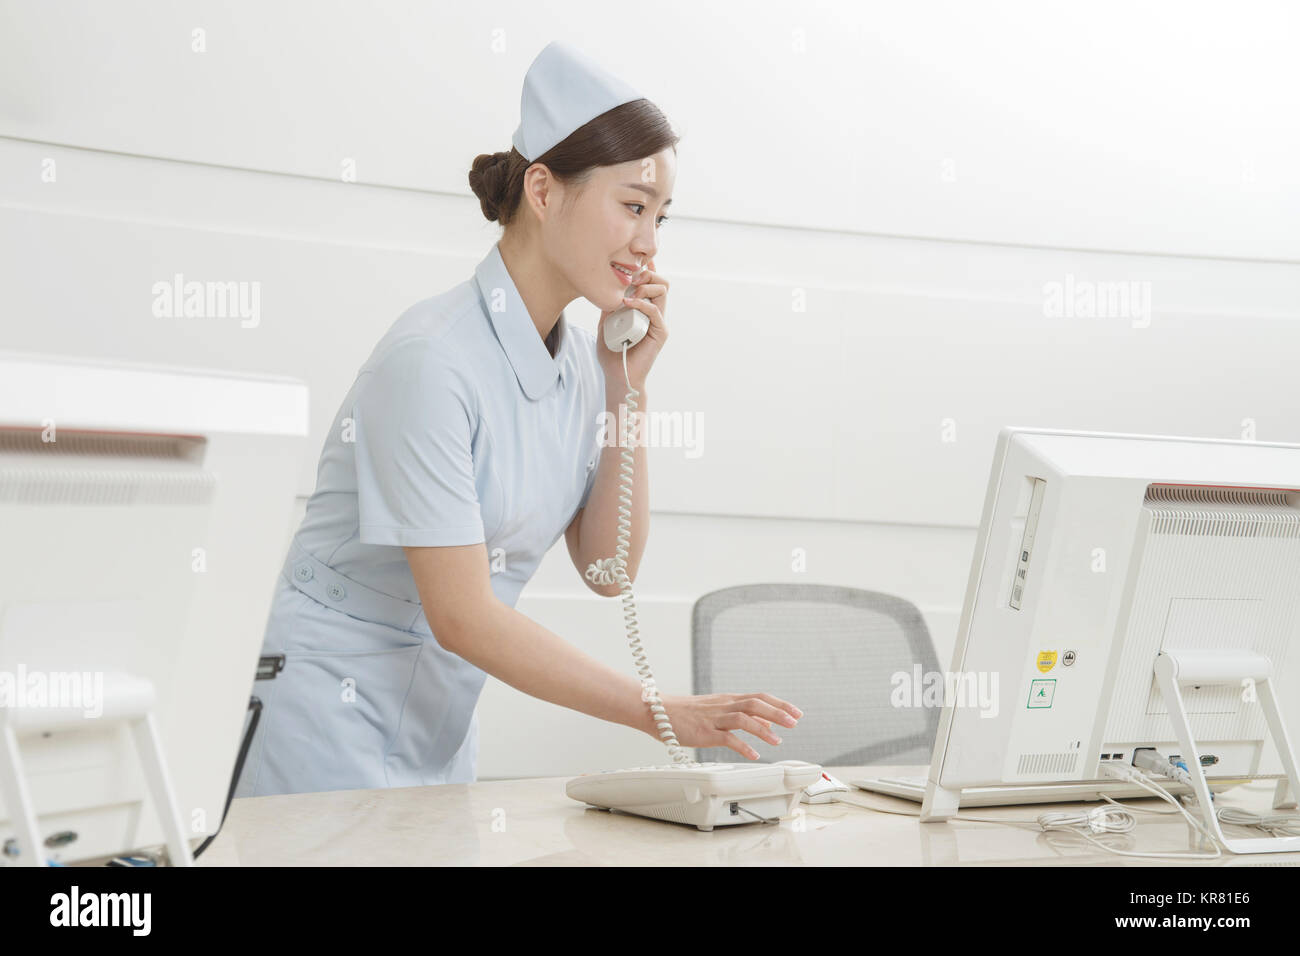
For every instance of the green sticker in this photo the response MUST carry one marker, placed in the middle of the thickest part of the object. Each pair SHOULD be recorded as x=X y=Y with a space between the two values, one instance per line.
x=1041 y=693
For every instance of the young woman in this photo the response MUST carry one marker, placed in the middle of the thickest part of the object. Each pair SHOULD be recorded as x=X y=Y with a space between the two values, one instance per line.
x=467 y=445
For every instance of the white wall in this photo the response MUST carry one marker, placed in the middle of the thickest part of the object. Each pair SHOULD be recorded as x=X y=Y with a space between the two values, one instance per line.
x=872 y=196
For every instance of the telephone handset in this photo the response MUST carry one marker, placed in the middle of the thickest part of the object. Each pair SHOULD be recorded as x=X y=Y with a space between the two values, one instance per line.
x=626 y=327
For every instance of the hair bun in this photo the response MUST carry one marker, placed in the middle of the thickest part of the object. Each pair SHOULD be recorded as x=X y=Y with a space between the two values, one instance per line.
x=488 y=180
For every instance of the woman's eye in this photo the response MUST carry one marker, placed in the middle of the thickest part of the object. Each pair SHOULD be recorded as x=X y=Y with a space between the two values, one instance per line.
x=641 y=206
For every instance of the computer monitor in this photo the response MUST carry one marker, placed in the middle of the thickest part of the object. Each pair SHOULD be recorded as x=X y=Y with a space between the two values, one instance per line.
x=1110 y=570
x=144 y=512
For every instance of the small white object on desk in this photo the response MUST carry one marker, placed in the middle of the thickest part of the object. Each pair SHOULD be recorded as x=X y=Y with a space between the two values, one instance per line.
x=824 y=790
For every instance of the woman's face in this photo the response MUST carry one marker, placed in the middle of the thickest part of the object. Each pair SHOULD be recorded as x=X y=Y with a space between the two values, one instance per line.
x=614 y=218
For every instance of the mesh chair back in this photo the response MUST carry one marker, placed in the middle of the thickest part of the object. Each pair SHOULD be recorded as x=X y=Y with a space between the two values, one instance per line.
x=834 y=653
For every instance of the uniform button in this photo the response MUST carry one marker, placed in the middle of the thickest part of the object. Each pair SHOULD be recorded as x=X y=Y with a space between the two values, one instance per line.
x=303 y=572
x=336 y=592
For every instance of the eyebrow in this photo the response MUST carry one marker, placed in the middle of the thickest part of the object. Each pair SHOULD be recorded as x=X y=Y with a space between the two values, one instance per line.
x=648 y=190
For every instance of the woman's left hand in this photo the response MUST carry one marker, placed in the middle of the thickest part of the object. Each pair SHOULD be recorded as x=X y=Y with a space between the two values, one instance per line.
x=649 y=294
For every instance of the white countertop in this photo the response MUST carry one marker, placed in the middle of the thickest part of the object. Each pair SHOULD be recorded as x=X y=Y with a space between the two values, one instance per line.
x=533 y=822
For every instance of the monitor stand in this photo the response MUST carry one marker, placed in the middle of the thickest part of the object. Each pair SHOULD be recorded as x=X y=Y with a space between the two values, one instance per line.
x=1177 y=667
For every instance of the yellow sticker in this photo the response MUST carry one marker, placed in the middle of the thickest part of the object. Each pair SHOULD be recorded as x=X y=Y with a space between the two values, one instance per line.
x=1046 y=660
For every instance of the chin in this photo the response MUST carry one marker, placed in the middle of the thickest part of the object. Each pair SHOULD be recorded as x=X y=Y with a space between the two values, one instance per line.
x=601 y=297
x=607 y=301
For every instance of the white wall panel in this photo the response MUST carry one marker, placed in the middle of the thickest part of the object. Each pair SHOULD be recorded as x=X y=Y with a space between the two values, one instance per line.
x=1158 y=127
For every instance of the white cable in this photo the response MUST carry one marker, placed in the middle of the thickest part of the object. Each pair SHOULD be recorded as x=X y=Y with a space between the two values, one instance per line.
x=1139 y=777
x=1110 y=819
x=1274 y=824
x=614 y=571
x=1132 y=809
x=1105 y=819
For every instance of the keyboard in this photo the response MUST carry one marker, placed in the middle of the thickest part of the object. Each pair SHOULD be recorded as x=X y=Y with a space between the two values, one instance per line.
x=918 y=782
x=703 y=795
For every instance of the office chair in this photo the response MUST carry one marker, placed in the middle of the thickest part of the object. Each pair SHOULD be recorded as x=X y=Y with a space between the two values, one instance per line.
x=831 y=651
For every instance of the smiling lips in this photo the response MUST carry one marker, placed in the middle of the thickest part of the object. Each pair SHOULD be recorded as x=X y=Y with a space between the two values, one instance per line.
x=625 y=273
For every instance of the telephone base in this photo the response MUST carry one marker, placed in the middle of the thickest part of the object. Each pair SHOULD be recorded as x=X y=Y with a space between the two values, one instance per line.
x=705 y=795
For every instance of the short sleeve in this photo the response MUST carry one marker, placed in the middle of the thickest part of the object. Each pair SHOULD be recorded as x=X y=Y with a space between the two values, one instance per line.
x=414 y=424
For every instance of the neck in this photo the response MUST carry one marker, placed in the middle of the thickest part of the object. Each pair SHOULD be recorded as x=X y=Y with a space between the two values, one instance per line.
x=543 y=292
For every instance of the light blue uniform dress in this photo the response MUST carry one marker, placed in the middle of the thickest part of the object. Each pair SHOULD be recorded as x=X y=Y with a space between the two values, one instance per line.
x=461 y=427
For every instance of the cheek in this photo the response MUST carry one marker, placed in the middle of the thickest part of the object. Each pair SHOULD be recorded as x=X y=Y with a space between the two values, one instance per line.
x=614 y=229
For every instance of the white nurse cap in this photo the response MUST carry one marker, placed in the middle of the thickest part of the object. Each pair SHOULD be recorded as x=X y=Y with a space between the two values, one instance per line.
x=563 y=90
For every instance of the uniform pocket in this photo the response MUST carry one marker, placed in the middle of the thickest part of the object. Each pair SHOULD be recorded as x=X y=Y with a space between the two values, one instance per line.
x=331 y=719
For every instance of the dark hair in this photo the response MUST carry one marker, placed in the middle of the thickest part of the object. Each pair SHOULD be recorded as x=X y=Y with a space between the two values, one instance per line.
x=632 y=131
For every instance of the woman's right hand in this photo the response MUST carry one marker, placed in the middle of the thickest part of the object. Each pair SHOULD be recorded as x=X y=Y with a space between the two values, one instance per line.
x=705 y=720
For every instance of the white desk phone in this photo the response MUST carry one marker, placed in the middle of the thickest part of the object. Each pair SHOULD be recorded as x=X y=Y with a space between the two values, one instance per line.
x=684 y=791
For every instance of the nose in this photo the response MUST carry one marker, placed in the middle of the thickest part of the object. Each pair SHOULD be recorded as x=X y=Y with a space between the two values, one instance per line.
x=645 y=243
x=644 y=251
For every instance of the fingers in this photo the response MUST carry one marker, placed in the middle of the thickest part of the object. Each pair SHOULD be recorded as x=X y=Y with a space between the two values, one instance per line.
x=650 y=285
x=650 y=270
x=769 y=707
x=741 y=721
x=651 y=290
x=650 y=309
x=739 y=746
x=651 y=280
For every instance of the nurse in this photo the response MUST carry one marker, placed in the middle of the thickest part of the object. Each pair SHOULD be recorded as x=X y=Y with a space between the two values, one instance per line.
x=467 y=445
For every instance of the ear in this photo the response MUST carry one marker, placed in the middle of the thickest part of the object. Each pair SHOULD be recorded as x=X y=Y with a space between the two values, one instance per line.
x=538 y=192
